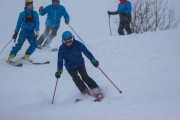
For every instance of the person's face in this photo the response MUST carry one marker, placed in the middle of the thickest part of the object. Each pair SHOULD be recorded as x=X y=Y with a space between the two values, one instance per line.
x=55 y=3
x=30 y=7
x=68 y=42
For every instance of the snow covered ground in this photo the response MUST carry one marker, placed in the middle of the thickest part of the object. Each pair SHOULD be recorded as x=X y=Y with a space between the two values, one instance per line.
x=144 y=66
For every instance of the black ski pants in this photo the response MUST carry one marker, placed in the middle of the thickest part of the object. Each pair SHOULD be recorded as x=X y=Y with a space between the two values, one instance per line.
x=124 y=24
x=84 y=80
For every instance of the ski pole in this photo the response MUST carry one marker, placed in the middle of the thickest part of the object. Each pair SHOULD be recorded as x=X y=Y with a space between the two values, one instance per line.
x=54 y=91
x=5 y=46
x=110 y=26
x=76 y=34
x=110 y=81
x=134 y=25
x=99 y=67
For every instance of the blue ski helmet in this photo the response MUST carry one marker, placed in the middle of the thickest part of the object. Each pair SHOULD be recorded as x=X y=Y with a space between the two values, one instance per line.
x=67 y=35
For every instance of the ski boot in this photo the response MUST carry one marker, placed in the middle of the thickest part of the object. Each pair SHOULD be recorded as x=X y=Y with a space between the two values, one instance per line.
x=10 y=59
x=99 y=97
x=26 y=57
x=97 y=92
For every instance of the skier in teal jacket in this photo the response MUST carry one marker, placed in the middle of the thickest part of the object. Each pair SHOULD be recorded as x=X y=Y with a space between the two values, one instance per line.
x=28 y=21
x=54 y=13
x=124 y=11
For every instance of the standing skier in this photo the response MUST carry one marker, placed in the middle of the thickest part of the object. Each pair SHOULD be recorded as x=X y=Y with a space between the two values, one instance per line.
x=71 y=53
x=28 y=21
x=124 y=11
x=54 y=13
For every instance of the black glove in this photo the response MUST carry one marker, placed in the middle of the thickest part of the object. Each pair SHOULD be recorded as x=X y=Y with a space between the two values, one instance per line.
x=108 y=12
x=95 y=62
x=122 y=13
x=58 y=74
x=40 y=8
x=67 y=22
x=14 y=36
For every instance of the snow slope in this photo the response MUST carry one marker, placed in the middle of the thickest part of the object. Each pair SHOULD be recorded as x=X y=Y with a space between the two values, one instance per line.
x=144 y=66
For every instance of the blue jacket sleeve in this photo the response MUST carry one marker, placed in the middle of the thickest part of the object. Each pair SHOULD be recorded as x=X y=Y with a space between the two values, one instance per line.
x=60 y=59
x=65 y=15
x=19 y=22
x=44 y=11
x=85 y=51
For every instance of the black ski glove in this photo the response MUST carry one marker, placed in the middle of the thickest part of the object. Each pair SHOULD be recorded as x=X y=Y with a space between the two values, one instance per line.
x=14 y=37
x=40 y=8
x=95 y=62
x=58 y=74
x=109 y=13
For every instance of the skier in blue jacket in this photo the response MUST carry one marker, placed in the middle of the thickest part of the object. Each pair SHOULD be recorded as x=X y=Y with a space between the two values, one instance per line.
x=124 y=11
x=28 y=21
x=54 y=13
x=70 y=52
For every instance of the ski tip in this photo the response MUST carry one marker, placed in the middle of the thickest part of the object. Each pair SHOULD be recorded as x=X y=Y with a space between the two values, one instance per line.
x=15 y=64
x=77 y=100
x=54 y=49
x=40 y=63
x=98 y=99
x=19 y=65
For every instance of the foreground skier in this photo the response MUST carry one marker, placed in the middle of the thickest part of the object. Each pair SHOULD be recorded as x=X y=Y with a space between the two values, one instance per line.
x=71 y=52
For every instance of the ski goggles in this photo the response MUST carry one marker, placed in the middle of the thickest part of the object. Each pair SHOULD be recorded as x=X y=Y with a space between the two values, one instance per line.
x=69 y=40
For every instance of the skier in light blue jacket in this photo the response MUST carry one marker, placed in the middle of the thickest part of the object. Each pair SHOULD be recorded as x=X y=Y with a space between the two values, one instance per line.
x=28 y=21
x=54 y=13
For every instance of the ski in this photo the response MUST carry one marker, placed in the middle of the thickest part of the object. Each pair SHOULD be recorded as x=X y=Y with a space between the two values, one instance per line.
x=34 y=63
x=15 y=64
x=38 y=63
x=19 y=65
x=53 y=49
x=77 y=100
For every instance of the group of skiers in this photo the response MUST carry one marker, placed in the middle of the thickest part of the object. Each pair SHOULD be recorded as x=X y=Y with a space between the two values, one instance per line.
x=70 y=51
x=28 y=21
